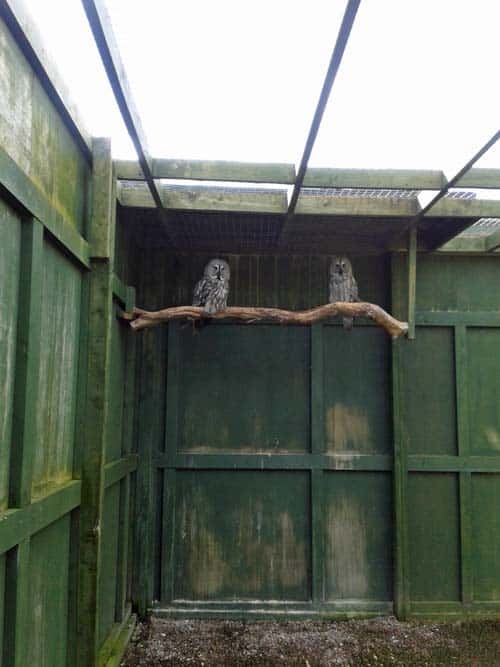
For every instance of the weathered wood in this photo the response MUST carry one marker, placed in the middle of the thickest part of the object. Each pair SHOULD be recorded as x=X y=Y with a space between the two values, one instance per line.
x=203 y=170
x=412 y=281
x=17 y=18
x=143 y=319
x=99 y=312
x=28 y=345
x=481 y=178
x=206 y=199
x=29 y=197
x=492 y=242
x=379 y=179
x=17 y=605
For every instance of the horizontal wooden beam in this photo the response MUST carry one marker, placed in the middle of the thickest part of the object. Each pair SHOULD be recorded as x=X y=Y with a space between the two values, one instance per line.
x=480 y=178
x=469 y=318
x=117 y=470
x=19 y=524
x=448 y=207
x=492 y=241
x=378 y=179
x=268 y=461
x=443 y=463
x=464 y=244
x=20 y=24
x=206 y=199
x=24 y=192
x=357 y=206
x=204 y=170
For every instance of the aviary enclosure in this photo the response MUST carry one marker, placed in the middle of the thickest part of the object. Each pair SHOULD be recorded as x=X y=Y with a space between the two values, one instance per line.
x=253 y=470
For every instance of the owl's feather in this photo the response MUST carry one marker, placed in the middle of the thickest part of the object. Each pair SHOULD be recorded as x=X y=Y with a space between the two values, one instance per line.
x=212 y=290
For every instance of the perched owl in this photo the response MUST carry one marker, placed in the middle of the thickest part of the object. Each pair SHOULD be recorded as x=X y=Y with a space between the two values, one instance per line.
x=343 y=286
x=212 y=290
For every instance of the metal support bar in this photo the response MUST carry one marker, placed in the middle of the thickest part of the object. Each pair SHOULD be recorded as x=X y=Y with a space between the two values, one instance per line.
x=102 y=30
x=412 y=281
x=333 y=68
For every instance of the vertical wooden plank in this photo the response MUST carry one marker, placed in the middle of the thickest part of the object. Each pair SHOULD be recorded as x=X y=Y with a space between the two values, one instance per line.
x=127 y=438
x=400 y=481
x=99 y=316
x=172 y=407
x=412 y=281
x=463 y=437
x=316 y=479
x=168 y=533
x=28 y=358
x=17 y=605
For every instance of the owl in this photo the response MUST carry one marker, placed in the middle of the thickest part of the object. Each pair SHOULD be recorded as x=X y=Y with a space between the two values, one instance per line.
x=343 y=286
x=212 y=290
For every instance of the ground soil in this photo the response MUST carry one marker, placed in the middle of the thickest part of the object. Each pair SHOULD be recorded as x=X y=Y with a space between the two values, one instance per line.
x=375 y=642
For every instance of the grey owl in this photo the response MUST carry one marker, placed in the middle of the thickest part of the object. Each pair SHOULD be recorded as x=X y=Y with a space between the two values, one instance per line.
x=343 y=286
x=212 y=290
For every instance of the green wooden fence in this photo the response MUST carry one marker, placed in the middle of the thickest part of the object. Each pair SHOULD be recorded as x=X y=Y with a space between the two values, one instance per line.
x=66 y=388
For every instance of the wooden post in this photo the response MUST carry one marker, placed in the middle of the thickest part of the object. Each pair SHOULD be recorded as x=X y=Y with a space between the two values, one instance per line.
x=412 y=281
x=24 y=434
x=96 y=377
x=400 y=472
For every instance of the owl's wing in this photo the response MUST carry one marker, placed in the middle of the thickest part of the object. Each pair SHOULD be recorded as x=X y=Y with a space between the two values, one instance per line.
x=199 y=295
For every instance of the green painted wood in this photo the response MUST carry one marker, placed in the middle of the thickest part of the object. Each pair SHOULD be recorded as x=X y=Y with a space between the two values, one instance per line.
x=53 y=414
x=122 y=563
x=438 y=463
x=466 y=318
x=17 y=601
x=102 y=233
x=388 y=207
x=116 y=391
x=230 y=528
x=108 y=565
x=233 y=352
x=207 y=199
x=463 y=441
x=316 y=478
x=112 y=652
x=2 y=604
x=203 y=170
x=492 y=242
x=358 y=536
x=10 y=264
x=96 y=377
x=266 y=461
x=35 y=136
x=400 y=436
x=481 y=178
x=117 y=470
x=483 y=400
x=385 y=179
x=29 y=337
x=465 y=244
x=119 y=289
x=412 y=281
x=168 y=529
x=466 y=543
x=356 y=391
x=428 y=367
x=434 y=537
x=18 y=525
x=485 y=532
x=48 y=596
x=29 y=40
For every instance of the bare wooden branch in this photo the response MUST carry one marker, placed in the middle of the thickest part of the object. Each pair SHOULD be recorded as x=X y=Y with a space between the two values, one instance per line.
x=144 y=319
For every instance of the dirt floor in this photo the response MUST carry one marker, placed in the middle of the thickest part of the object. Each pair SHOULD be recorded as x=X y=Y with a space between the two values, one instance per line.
x=375 y=642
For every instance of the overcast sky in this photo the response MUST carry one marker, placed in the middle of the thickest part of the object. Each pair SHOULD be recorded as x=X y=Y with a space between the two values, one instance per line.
x=228 y=80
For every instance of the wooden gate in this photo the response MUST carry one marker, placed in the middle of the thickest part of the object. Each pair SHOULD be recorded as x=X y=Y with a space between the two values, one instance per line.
x=278 y=485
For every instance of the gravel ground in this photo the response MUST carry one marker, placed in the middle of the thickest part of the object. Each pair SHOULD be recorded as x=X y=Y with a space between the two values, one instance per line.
x=375 y=642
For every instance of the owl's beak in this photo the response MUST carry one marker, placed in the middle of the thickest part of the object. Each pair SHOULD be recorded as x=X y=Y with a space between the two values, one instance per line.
x=218 y=274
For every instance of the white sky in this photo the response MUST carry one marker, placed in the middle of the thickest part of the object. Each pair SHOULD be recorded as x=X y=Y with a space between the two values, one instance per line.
x=225 y=80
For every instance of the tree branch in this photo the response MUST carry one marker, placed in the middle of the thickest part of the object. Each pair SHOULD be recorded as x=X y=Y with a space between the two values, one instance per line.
x=144 y=319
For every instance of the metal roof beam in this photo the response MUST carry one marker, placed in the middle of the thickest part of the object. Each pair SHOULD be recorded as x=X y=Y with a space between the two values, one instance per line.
x=333 y=68
x=102 y=30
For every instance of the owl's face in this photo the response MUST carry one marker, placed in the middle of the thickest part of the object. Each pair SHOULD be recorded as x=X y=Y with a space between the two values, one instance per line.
x=217 y=269
x=340 y=266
